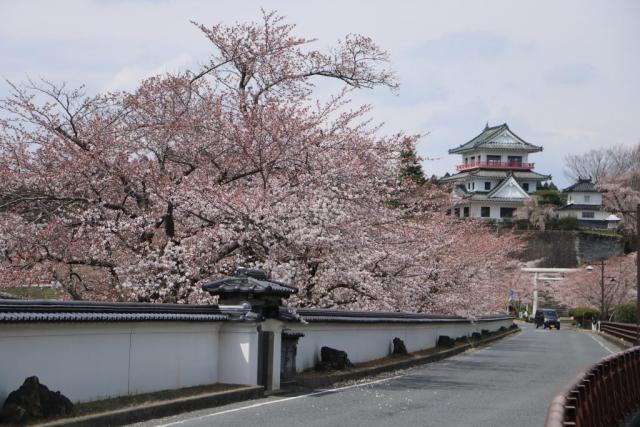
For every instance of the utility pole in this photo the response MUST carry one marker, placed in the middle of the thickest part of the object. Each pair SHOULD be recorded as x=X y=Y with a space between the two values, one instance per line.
x=602 y=306
x=535 y=294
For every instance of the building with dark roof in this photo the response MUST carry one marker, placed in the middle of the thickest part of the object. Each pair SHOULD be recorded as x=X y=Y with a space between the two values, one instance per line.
x=495 y=176
x=584 y=202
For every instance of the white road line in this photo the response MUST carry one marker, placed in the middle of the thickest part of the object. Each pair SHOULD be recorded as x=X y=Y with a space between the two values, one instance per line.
x=257 y=405
x=601 y=345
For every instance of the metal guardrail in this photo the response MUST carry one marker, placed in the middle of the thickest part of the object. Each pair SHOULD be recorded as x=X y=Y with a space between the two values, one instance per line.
x=626 y=331
x=606 y=394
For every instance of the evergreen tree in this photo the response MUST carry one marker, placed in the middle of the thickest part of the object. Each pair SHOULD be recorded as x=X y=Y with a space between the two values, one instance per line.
x=411 y=167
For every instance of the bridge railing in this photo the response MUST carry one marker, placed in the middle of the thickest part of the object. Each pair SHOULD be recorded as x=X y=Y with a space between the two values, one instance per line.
x=627 y=331
x=605 y=394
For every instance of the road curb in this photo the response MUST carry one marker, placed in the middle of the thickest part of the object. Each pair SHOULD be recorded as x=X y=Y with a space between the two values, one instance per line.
x=159 y=409
x=614 y=340
x=334 y=377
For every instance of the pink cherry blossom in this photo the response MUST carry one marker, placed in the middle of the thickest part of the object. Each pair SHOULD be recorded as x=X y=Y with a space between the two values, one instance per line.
x=145 y=195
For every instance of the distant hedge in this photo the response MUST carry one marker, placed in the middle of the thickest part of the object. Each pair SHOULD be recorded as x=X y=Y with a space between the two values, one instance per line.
x=584 y=315
x=551 y=197
x=566 y=223
x=624 y=313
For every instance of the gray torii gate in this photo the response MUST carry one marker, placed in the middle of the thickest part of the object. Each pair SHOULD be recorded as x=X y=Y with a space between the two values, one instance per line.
x=548 y=275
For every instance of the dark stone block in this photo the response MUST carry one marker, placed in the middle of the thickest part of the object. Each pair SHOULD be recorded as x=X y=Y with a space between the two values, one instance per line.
x=568 y=249
x=502 y=329
x=513 y=326
x=34 y=401
x=445 y=341
x=288 y=352
x=476 y=336
x=332 y=359
x=485 y=332
x=398 y=347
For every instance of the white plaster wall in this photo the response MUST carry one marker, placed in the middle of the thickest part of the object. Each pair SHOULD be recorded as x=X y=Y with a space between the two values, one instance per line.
x=579 y=198
x=533 y=186
x=165 y=356
x=494 y=211
x=276 y=327
x=89 y=361
x=598 y=215
x=504 y=154
x=364 y=342
x=238 y=355
x=479 y=184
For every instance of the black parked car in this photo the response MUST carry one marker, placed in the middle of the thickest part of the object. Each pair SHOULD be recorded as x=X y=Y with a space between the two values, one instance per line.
x=547 y=318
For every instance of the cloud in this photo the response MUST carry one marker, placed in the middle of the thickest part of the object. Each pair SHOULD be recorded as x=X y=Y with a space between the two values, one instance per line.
x=571 y=74
x=465 y=46
x=461 y=63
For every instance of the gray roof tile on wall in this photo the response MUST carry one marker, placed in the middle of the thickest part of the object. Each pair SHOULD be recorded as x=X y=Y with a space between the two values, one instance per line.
x=320 y=315
x=12 y=311
x=583 y=185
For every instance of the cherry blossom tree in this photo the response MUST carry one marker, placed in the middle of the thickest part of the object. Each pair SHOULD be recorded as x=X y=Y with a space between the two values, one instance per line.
x=601 y=286
x=145 y=195
x=536 y=212
x=622 y=197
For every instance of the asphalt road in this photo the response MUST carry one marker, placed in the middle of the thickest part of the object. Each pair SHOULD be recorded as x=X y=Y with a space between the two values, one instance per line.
x=510 y=383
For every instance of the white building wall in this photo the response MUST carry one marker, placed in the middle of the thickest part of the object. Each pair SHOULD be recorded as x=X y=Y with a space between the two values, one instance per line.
x=504 y=155
x=276 y=327
x=165 y=357
x=579 y=198
x=475 y=211
x=89 y=361
x=238 y=356
x=479 y=184
x=533 y=186
x=365 y=342
x=598 y=215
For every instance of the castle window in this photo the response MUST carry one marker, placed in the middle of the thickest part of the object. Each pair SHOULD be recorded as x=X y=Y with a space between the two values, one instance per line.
x=587 y=199
x=485 y=211
x=487 y=186
x=525 y=186
x=507 y=212
x=588 y=215
x=494 y=159
x=515 y=159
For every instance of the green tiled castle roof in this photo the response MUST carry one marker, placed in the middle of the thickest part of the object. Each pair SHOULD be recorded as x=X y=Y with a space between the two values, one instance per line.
x=482 y=173
x=490 y=138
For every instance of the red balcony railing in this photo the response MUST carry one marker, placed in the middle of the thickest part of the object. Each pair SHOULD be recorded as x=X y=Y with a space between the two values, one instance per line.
x=495 y=165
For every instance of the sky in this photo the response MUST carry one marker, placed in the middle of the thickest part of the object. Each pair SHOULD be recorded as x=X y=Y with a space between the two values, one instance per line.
x=562 y=74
